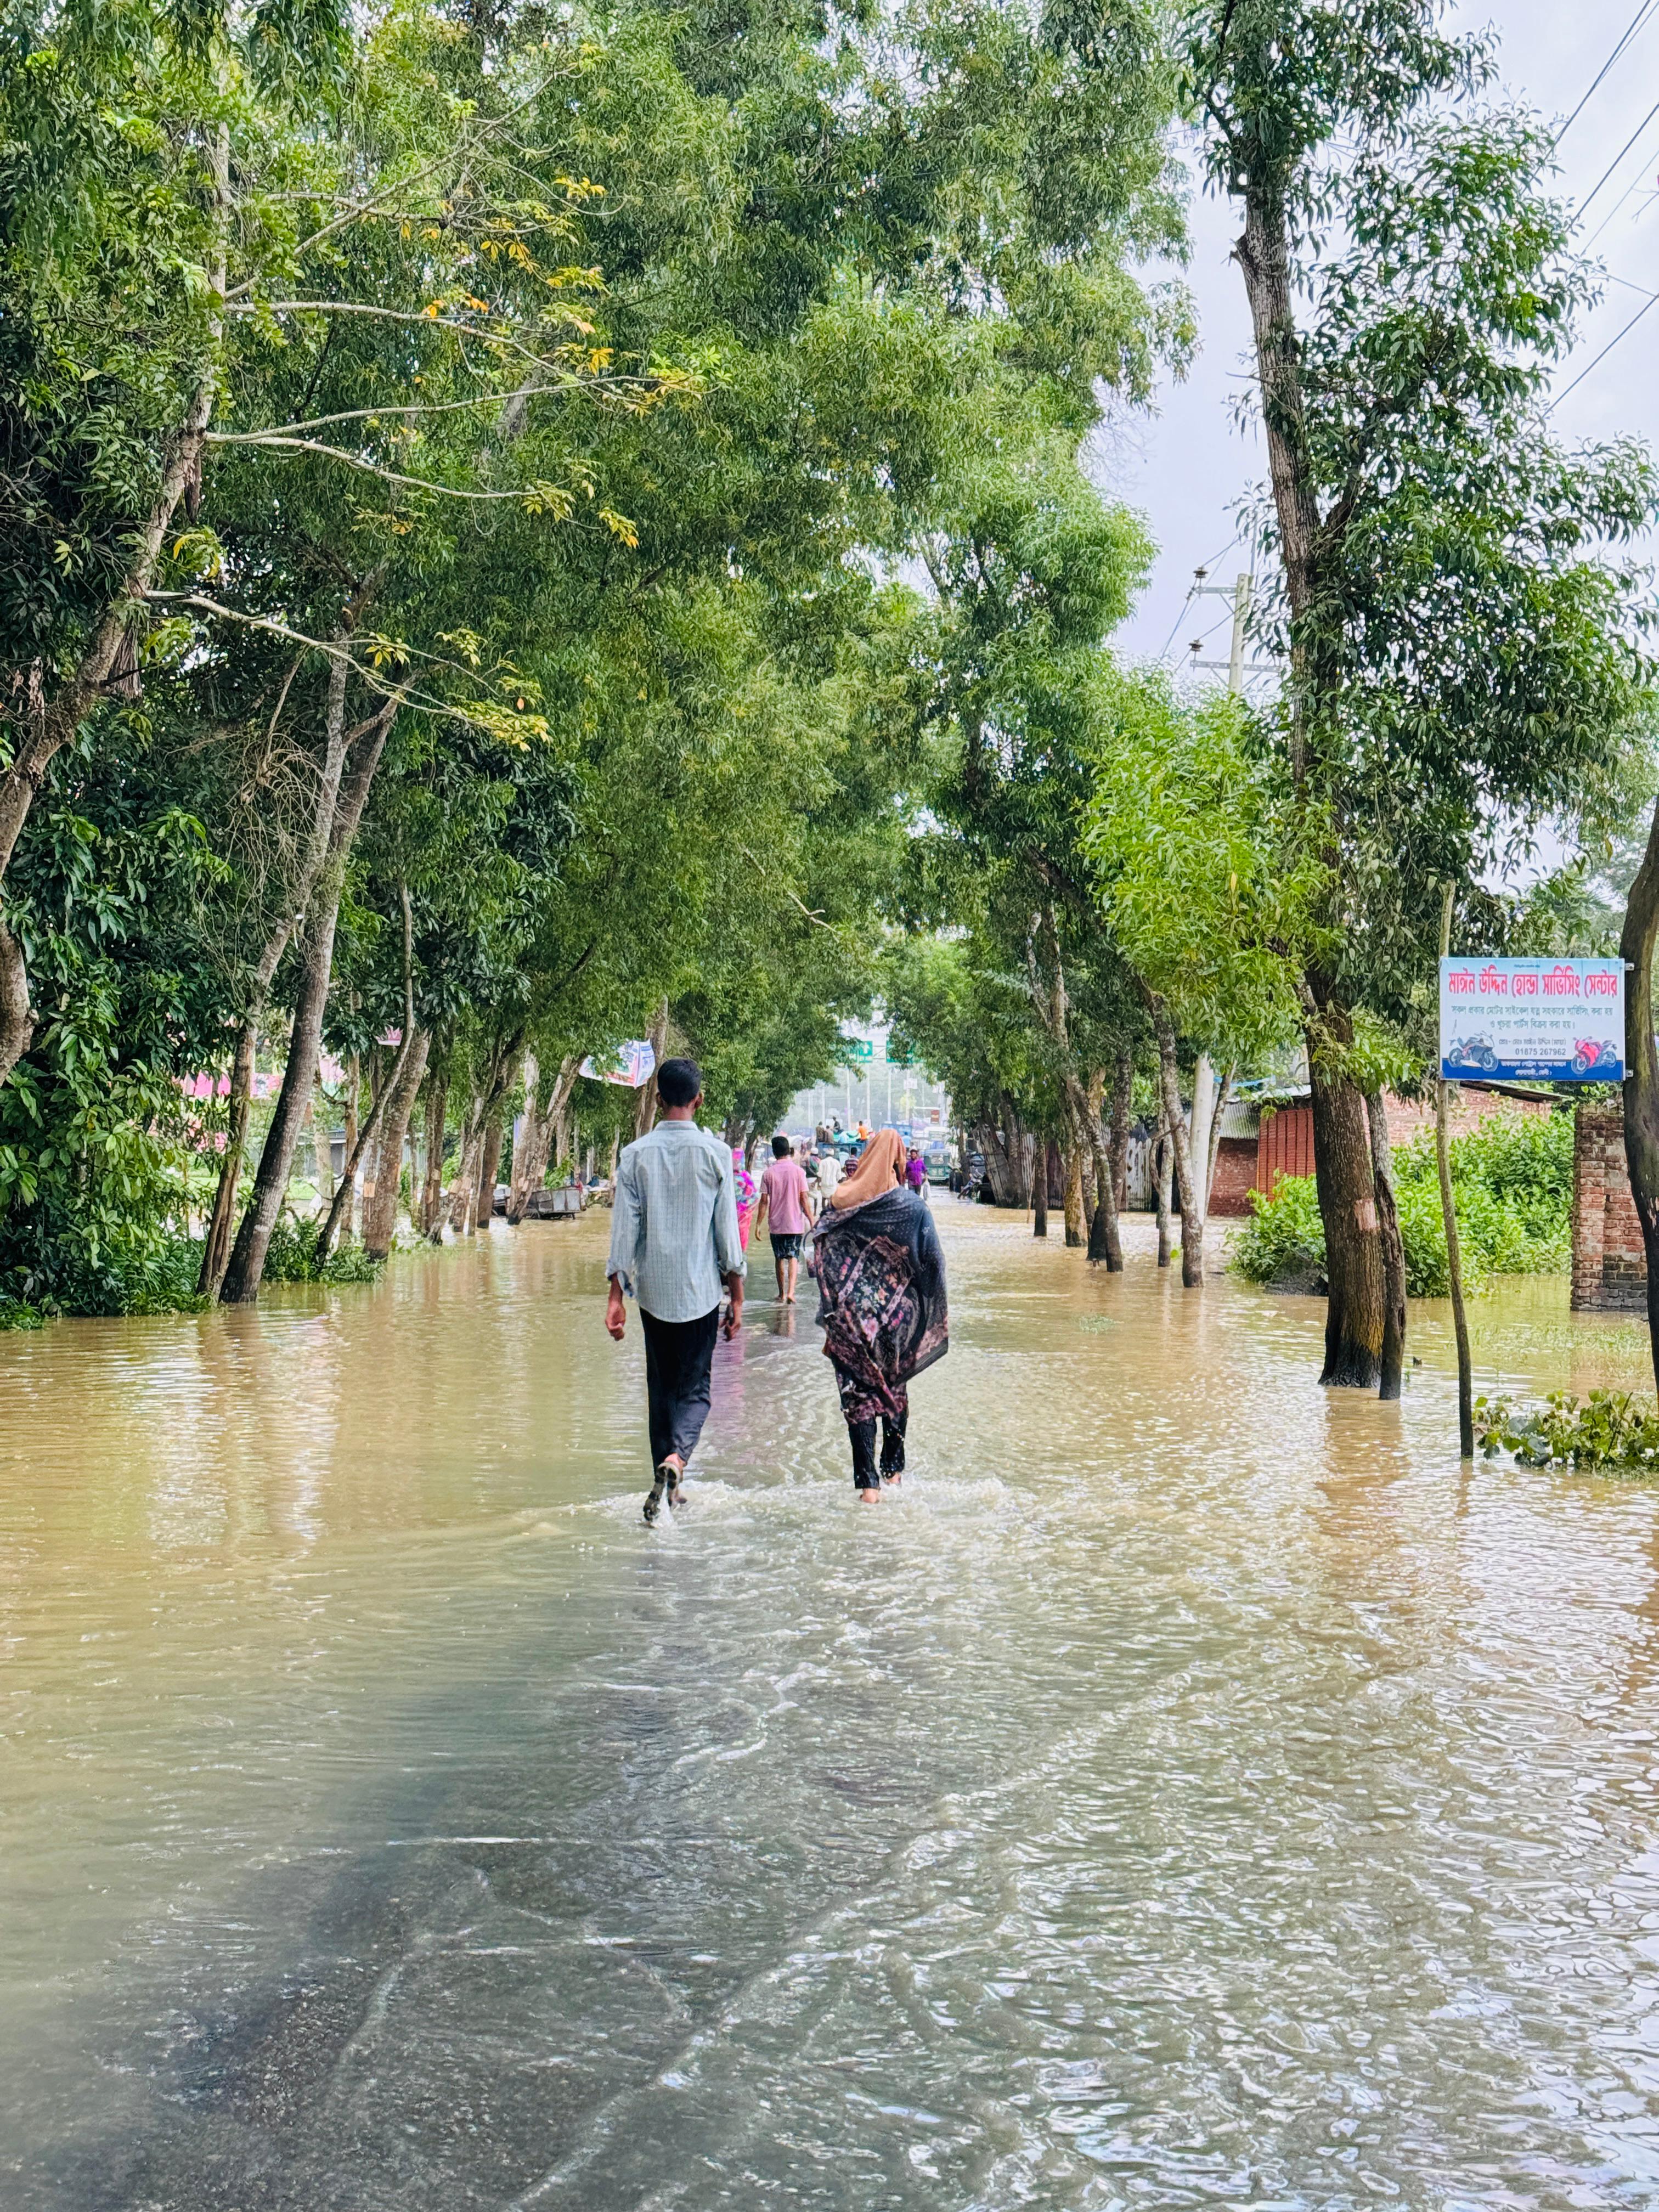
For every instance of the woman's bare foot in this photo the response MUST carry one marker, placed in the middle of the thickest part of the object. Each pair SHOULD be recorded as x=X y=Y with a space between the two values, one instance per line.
x=869 y=1498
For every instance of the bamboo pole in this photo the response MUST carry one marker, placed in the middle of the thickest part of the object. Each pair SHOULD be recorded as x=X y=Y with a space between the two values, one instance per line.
x=1449 y=1215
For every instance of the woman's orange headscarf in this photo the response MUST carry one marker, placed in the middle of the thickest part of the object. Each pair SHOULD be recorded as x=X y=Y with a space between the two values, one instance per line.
x=879 y=1168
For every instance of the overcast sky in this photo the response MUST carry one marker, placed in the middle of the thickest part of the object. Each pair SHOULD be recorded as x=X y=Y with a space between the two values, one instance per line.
x=1186 y=467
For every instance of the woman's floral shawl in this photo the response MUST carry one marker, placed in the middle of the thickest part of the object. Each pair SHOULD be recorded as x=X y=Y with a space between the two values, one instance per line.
x=881 y=1297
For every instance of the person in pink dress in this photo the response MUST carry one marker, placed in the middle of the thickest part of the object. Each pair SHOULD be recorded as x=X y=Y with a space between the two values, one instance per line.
x=783 y=1206
x=743 y=1189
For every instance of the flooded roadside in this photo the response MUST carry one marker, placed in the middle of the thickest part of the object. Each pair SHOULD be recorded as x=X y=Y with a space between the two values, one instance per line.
x=1193 y=1788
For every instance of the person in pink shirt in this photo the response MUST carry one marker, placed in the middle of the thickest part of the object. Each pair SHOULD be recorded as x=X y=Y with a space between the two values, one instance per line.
x=783 y=1206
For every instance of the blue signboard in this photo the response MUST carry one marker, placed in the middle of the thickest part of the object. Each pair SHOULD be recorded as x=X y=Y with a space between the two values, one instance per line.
x=1549 y=1021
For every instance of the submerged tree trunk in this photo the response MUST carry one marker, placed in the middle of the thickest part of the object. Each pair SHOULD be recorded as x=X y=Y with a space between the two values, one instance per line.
x=1357 y=1303
x=1164 y=1173
x=1073 y=1157
x=1123 y=1085
x=1192 y=1225
x=1204 y=1119
x=1635 y=943
x=432 y=1188
x=247 y=1259
x=494 y=1136
x=346 y=1196
x=215 y=1252
x=1392 y=1365
x=1039 y=1170
x=464 y=1191
x=545 y=1136
x=381 y=1208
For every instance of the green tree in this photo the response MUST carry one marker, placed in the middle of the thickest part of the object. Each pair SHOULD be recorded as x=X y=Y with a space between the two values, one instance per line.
x=1461 y=657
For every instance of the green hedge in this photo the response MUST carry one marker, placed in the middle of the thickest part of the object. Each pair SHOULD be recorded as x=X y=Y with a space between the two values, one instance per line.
x=1512 y=1180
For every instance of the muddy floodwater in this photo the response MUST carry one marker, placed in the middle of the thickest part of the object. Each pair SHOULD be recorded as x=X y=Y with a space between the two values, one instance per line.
x=1191 y=1789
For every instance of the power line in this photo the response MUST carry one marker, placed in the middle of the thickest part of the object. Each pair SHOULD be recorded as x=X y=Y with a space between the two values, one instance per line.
x=1643 y=309
x=1634 y=185
x=1631 y=29
x=1202 y=570
x=1176 y=624
x=1584 y=203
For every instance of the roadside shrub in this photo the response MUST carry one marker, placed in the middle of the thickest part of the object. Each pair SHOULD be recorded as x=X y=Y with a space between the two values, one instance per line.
x=1512 y=1181
x=292 y=1257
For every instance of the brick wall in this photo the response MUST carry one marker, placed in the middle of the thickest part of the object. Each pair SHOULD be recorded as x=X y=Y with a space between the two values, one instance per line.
x=1235 y=1173
x=1608 y=1272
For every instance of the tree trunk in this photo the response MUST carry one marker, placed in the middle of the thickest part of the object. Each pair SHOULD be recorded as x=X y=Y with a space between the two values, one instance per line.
x=1204 y=1120
x=247 y=1259
x=1392 y=1366
x=563 y=1144
x=347 y=1194
x=1164 y=1163
x=1040 y=1167
x=1192 y=1224
x=1635 y=943
x=432 y=1190
x=322 y=1142
x=1123 y=1085
x=380 y=1210
x=464 y=1191
x=486 y=1173
x=1263 y=255
x=1356 y=1306
x=1071 y=1154
x=215 y=1252
x=16 y=1015
x=647 y=1108
x=542 y=1131
x=1224 y=1092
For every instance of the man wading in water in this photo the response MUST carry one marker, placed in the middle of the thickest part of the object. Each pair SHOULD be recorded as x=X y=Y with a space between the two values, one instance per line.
x=673 y=1236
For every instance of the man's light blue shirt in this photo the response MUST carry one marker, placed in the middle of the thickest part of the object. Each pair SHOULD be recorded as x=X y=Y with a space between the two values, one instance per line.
x=674 y=1221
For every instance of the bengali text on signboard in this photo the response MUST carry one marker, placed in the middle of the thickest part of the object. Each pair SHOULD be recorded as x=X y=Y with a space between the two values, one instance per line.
x=1552 y=1021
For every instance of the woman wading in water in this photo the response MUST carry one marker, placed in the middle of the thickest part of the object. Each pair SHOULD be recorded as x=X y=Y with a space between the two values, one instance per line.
x=881 y=1289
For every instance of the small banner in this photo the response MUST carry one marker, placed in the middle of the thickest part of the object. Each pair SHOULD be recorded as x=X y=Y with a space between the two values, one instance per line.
x=631 y=1065
x=1549 y=1021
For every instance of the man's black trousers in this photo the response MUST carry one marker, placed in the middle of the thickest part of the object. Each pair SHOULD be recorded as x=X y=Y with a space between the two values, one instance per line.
x=678 y=1355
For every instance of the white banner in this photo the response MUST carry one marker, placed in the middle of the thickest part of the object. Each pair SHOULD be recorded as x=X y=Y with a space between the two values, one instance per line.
x=630 y=1065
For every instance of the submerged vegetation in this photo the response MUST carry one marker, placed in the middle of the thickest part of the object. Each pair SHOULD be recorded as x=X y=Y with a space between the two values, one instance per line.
x=1513 y=1179
x=1612 y=1432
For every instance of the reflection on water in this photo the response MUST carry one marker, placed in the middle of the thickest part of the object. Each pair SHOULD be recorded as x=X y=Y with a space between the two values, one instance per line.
x=1191 y=1789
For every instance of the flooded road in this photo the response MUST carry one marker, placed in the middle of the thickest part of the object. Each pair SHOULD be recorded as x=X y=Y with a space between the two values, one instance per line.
x=1191 y=1790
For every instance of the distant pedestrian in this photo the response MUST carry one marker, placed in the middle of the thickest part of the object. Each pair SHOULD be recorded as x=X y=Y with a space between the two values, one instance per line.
x=915 y=1174
x=783 y=1207
x=743 y=1189
x=673 y=1237
x=829 y=1174
x=881 y=1304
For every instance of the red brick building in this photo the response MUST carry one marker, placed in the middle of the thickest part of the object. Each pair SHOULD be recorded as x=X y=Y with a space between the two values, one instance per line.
x=1609 y=1274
